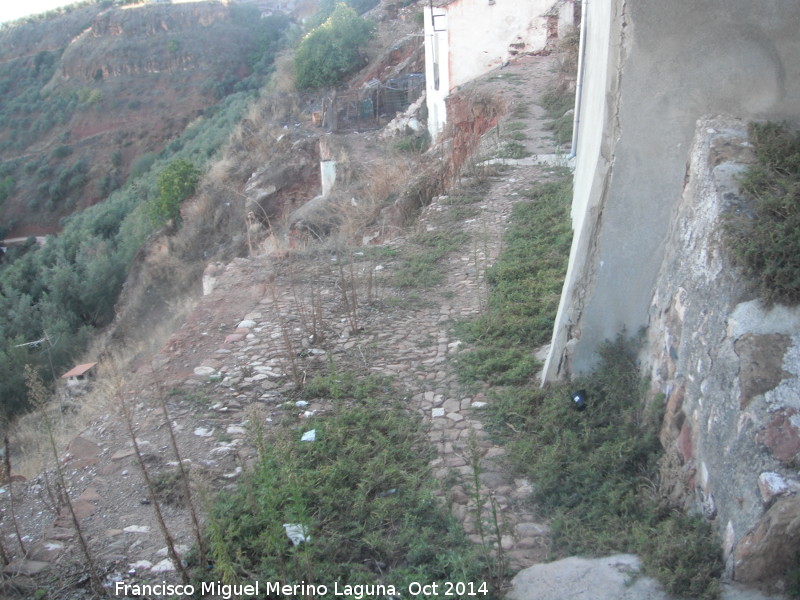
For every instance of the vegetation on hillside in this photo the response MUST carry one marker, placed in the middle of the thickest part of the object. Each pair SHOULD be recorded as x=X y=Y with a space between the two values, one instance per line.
x=176 y=183
x=60 y=294
x=326 y=7
x=331 y=51
x=68 y=288
x=362 y=493
x=81 y=113
x=764 y=237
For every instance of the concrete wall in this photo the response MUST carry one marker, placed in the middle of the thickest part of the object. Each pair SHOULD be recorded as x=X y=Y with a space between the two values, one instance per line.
x=655 y=169
x=653 y=68
x=468 y=38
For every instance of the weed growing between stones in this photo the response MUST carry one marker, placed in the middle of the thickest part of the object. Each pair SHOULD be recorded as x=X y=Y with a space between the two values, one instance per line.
x=289 y=355
x=7 y=476
x=184 y=496
x=491 y=540
x=423 y=268
x=512 y=150
x=348 y=284
x=310 y=313
x=360 y=493
x=524 y=289
x=155 y=501
x=338 y=385
x=763 y=237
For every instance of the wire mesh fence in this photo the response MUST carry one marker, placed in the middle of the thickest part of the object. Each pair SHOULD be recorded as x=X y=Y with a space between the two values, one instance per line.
x=371 y=106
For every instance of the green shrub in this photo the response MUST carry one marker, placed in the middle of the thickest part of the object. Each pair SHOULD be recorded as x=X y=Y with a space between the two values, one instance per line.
x=176 y=183
x=683 y=554
x=88 y=96
x=557 y=105
x=61 y=152
x=331 y=51
x=525 y=287
x=764 y=238
x=7 y=186
x=413 y=144
x=326 y=7
x=362 y=492
x=141 y=164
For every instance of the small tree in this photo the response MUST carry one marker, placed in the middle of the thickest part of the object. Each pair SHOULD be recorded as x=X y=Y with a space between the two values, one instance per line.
x=333 y=50
x=176 y=182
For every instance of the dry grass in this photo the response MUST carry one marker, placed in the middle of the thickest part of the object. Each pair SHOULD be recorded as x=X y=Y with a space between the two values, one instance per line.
x=386 y=177
x=282 y=80
x=31 y=452
x=30 y=449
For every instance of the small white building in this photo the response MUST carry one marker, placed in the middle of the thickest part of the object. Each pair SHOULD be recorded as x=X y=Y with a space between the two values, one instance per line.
x=466 y=38
x=79 y=375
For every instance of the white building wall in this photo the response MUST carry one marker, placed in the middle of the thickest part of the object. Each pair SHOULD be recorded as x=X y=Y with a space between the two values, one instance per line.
x=644 y=91
x=592 y=166
x=475 y=37
x=437 y=68
x=566 y=16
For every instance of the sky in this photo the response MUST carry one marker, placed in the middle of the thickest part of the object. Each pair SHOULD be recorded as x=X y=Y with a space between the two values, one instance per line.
x=14 y=9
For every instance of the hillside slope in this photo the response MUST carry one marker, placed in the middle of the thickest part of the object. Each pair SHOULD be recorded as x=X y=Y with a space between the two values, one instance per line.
x=95 y=94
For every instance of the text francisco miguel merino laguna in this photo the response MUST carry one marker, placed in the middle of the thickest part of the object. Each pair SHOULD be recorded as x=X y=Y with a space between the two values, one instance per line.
x=275 y=588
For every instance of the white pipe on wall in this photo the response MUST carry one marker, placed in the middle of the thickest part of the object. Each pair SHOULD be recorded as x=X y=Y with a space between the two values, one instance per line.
x=576 y=120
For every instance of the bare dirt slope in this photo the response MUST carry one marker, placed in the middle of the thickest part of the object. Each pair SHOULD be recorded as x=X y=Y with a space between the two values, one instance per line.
x=269 y=322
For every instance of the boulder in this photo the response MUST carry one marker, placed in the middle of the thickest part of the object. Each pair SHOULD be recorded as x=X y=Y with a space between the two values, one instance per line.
x=615 y=577
x=611 y=578
x=762 y=556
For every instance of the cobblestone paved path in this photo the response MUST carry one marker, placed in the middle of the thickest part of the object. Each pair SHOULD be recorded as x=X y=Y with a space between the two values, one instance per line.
x=269 y=321
x=407 y=335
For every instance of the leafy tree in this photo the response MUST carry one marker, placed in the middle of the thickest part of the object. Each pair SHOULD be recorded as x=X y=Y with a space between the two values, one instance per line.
x=326 y=7
x=333 y=50
x=44 y=59
x=175 y=183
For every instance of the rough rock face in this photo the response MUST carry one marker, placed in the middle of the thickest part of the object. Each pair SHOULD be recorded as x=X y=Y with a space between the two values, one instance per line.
x=151 y=39
x=280 y=185
x=159 y=20
x=470 y=116
x=726 y=370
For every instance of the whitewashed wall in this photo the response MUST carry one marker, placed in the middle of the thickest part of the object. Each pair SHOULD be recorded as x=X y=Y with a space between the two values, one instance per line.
x=468 y=38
